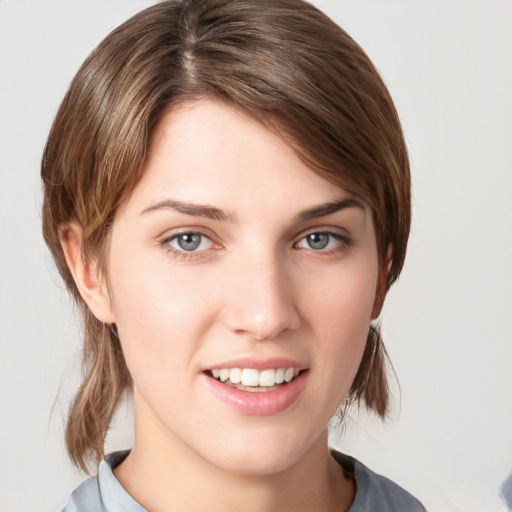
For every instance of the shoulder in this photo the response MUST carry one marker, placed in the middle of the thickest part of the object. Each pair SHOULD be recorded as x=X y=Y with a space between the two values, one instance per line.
x=103 y=493
x=375 y=492
x=383 y=494
x=85 y=498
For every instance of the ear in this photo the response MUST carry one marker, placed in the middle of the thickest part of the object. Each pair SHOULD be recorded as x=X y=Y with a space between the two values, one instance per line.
x=380 y=292
x=86 y=275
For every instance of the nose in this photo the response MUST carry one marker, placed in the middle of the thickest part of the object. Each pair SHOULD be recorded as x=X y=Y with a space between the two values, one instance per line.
x=261 y=301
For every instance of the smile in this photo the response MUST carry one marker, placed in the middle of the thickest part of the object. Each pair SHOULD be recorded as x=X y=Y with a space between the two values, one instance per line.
x=250 y=379
x=257 y=392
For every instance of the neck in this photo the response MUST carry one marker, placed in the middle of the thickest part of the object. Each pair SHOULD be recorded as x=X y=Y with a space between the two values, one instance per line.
x=165 y=476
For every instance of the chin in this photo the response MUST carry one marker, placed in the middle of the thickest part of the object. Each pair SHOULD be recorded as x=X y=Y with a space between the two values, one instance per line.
x=263 y=453
x=257 y=463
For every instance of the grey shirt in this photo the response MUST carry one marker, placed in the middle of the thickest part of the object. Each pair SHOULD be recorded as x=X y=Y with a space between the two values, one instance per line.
x=374 y=493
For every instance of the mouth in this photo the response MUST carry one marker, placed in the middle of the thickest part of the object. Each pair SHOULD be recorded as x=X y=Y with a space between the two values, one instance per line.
x=254 y=381
x=260 y=388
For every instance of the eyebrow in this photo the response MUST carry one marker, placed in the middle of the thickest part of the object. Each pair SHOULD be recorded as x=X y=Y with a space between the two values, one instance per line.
x=213 y=213
x=329 y=208
x=196 y=210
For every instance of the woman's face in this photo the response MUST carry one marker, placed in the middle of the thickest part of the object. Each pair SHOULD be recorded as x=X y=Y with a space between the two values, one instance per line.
x=233 y=266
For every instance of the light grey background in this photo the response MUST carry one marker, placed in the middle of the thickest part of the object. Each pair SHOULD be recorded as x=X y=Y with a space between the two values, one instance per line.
x=447 y=322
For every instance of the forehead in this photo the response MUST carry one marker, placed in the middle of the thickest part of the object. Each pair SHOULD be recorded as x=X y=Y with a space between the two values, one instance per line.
x=206 y=152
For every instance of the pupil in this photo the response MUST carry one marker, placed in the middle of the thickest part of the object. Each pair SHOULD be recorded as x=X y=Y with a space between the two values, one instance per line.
x=318 y=240
x=189 y=241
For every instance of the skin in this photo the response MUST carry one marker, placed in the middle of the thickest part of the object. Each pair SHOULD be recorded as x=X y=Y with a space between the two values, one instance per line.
x=254 y=287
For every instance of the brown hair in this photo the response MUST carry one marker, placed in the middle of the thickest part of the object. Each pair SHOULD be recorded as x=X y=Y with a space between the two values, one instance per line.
x=284 y=63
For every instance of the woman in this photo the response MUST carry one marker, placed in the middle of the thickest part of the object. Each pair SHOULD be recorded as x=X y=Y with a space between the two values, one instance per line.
x=227 y=197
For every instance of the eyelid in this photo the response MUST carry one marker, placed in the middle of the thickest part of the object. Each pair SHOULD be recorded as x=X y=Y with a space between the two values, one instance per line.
x=330 y=230
x=202 y=239
x=169 y=232
x=183 y=255
x=341 y=235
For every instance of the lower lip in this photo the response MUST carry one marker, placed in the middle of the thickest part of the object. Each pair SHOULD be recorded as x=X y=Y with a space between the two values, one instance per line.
x=259 y=403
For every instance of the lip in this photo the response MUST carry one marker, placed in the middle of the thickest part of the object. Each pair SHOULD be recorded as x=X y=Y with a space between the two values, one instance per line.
x=258 y=364
x=263 y=403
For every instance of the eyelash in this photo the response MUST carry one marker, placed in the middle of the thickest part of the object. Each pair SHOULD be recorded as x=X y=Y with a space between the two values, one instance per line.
x=182 y=254
x=345 y=243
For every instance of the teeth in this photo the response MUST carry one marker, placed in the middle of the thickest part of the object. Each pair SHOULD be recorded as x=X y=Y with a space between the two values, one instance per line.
x=235 y=375
x=288 y=374
x=267 y=378
x=252 y=378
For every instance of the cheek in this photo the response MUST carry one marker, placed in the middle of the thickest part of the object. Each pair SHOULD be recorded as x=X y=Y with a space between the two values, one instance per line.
x=341 y=314
x=158 y=319
x=345 y=334
x=345 y=299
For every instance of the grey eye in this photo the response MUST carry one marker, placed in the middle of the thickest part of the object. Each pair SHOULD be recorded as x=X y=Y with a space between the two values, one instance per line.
x=189 y=241
x=318 y=241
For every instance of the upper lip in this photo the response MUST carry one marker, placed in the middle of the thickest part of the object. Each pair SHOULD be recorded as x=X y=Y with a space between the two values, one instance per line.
x=258 y=364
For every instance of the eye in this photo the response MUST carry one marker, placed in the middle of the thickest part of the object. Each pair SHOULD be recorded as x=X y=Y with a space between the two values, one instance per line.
x=323 y=241
x=189 y=242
